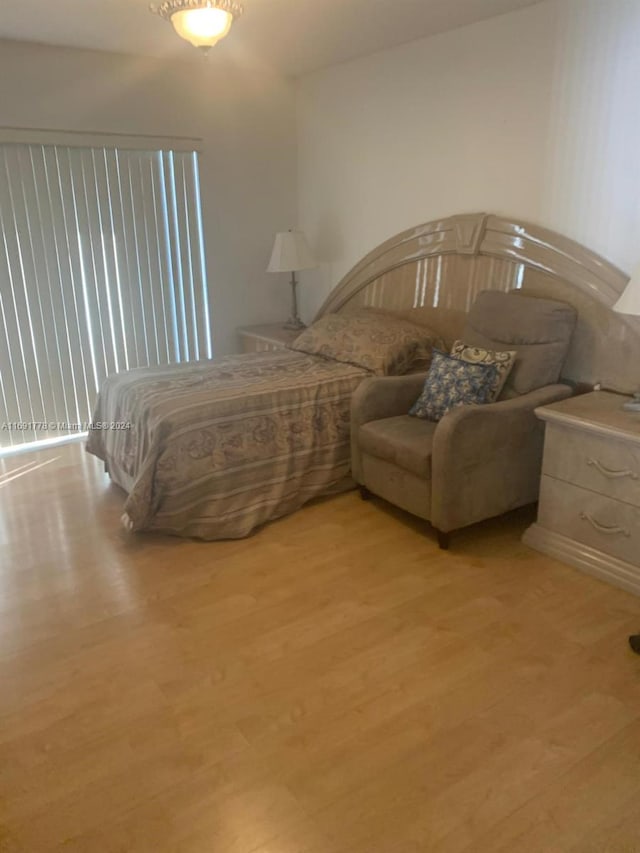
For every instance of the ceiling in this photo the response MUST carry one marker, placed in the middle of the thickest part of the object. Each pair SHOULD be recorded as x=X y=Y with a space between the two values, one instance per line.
x=294 y=36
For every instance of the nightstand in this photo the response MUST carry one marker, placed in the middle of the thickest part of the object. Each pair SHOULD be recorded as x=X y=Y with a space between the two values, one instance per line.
x=268 y=337
x=589 y=510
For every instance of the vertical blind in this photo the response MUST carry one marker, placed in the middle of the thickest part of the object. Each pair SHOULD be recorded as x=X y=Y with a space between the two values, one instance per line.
x=102 y=269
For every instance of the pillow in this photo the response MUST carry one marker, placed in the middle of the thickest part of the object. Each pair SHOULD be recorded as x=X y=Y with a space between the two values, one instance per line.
x=503 y=361
x=381 y=343
x=452 y=382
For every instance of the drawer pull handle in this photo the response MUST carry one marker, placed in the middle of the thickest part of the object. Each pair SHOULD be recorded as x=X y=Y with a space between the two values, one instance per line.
x=602 y=528
x=609 y=472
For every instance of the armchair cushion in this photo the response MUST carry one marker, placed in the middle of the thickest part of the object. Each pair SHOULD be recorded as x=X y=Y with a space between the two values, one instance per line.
x=538 y=329
x=403 y=441
x=453 y=382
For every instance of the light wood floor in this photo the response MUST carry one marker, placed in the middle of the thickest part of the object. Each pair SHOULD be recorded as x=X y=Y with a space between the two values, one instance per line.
x=334 y=684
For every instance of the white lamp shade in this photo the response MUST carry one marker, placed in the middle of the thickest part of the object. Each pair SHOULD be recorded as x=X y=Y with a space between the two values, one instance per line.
x=291 y=253
x=629 y=302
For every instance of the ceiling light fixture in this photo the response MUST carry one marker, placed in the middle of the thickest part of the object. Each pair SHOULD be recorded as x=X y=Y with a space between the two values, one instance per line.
x=201 y=22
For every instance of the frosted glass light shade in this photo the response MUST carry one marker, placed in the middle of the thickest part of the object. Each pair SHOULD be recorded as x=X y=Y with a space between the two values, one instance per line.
x=202 y=27
x=291 y=253
x=201 y=22
x=629 y=301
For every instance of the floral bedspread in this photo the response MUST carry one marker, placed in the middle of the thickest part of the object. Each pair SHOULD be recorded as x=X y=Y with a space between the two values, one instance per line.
x=215 y=449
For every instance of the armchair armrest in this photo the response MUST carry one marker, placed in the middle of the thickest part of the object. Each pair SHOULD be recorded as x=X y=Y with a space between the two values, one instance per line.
x=377 y=398
x=385 y=397
x=487 y=459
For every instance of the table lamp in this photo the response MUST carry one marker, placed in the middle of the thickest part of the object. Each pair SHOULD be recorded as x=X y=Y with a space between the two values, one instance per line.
x=629 y=303
x=291 y=253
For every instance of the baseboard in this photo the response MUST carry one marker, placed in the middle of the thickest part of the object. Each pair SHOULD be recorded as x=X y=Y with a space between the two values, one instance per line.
x=587 y=559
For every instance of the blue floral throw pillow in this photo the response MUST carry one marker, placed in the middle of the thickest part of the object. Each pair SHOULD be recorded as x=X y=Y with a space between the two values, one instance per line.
x=452 y=382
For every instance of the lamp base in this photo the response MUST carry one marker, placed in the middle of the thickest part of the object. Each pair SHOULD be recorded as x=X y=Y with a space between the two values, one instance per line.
x=294 y=324
x=634 y=404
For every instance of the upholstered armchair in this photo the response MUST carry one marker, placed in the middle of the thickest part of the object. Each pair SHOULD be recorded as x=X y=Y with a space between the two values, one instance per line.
x=477 y=461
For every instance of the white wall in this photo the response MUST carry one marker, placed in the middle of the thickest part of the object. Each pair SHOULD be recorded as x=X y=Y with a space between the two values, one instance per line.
x=534 y=114
x=247 y=122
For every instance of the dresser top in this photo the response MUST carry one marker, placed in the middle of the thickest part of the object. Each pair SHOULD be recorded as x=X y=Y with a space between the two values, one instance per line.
x=271 y=332
x=600 y=412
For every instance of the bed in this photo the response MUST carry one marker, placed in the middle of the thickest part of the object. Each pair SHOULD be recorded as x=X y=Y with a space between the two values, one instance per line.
x=216 y=449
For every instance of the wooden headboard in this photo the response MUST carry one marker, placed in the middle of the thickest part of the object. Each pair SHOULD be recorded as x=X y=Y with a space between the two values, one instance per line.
x=434 y=272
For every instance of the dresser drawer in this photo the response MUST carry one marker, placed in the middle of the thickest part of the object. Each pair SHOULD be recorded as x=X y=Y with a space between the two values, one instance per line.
x=595 y=520
x=595 y=462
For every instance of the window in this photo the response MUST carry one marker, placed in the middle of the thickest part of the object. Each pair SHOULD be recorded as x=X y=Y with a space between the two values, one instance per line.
x=101 y=269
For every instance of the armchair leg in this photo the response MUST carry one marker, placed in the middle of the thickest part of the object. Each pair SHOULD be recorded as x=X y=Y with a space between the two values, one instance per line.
x=365 y=494
x=443 y=540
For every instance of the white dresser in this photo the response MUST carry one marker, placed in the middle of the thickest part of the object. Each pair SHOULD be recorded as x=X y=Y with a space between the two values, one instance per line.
x=589 y=511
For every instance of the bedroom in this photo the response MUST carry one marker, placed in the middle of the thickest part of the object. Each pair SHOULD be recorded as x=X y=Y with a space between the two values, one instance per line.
x=336 y=681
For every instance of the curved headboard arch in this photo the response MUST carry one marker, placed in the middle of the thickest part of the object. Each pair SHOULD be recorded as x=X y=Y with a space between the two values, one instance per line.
x=435 y=270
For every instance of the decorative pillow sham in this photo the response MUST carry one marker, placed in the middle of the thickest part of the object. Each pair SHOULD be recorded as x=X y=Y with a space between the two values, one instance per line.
x=503 y=362
x=369 y=338
x=452 y=382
